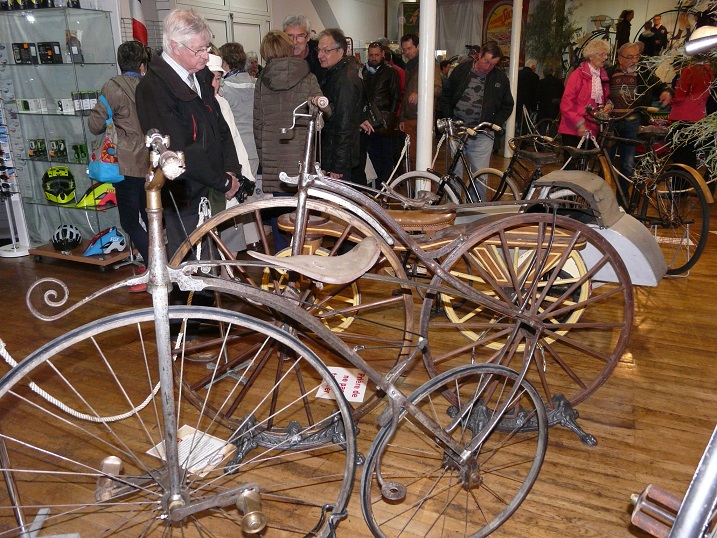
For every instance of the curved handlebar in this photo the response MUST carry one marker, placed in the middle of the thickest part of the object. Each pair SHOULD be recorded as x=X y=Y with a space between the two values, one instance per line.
x=484 y=126
x=171 y=162
x=449 y=125
x=518 y=140
x=316 y=104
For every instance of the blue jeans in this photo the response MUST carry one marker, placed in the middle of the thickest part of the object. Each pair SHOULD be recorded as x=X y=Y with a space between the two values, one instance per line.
x=478 y=150
x=626 y=128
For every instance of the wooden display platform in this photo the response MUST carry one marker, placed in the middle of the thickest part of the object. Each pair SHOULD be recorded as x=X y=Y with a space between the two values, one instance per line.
x=75 y=255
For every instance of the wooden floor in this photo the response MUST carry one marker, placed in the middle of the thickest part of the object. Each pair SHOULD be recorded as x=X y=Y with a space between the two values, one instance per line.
x=652 y=418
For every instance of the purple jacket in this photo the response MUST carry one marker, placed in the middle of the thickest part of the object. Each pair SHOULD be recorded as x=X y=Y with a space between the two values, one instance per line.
x=577 y=96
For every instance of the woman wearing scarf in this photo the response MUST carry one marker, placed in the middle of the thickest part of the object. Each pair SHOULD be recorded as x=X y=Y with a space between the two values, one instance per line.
x=588 y=85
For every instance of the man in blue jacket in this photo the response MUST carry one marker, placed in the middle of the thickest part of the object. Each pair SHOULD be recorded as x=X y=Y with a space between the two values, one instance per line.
x=476 y=92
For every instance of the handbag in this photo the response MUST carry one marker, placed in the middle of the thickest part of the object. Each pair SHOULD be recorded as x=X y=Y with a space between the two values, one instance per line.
x=104 y=166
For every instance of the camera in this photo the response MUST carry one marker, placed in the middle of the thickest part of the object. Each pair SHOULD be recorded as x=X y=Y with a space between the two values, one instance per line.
x=246 y=189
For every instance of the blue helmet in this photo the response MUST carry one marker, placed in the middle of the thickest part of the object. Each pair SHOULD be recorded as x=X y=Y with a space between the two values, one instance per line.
x=105 y=242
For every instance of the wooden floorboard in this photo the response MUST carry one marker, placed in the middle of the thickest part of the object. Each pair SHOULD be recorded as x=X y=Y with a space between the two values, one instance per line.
x=652 y=418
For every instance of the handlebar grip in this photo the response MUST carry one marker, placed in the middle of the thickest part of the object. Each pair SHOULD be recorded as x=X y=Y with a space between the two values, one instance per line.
x=322 y=102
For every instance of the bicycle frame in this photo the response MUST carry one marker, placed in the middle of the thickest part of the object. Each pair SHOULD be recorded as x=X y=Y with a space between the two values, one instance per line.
x=522 y=338
x=319 y=186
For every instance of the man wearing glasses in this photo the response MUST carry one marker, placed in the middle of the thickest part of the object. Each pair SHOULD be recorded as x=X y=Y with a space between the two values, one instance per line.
x=632 y=85
x=298 y=28
x=341 y=84
x=176 y=97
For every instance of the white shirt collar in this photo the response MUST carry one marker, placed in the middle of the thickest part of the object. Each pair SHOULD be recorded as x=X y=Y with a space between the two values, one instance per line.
x=183 y=73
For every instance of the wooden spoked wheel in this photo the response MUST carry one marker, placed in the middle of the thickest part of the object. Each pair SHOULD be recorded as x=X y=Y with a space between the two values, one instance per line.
x=558 y=295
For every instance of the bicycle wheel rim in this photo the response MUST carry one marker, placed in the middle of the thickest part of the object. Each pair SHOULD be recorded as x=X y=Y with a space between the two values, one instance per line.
x=61 y=470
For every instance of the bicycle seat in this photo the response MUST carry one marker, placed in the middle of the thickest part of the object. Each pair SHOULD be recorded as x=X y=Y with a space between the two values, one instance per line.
x=329 y=269
x=539 y=158
x=421 y=220
x=652 y=132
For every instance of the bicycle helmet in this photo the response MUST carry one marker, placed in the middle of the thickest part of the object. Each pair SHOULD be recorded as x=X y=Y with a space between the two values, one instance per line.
x=98 y=196
x=66 y=238
x=105 y=242
x=58 y=184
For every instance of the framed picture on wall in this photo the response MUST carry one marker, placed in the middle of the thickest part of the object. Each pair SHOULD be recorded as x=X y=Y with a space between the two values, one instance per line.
x=497 y=23
x=409 y=13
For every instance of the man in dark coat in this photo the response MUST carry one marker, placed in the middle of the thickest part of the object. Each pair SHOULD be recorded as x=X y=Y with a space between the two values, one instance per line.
x=194 y=123
x=527 y=96
x=341 y=83
x=177 y=98
x=659 y=40
x=549 y=92
x=475 y=92
x=381 y=88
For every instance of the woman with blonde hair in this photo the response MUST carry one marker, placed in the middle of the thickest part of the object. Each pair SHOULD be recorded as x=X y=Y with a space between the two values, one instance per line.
x=588 y=84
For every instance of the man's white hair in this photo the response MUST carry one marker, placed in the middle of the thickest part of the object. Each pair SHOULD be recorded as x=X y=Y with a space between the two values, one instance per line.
x=182 y=25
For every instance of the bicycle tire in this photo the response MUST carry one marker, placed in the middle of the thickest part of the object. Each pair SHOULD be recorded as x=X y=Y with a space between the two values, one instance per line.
x=442 y=496
x=498 y=185
x=581 y=305
x=675 y=208
x=300 y=463
x=410 y=185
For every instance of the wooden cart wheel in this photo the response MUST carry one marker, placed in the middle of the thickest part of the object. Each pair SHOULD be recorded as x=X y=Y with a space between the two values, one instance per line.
x=562 y=285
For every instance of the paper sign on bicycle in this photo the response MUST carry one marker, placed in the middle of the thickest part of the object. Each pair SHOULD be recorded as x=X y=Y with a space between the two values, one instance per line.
x=351 y=380
x=199 y=452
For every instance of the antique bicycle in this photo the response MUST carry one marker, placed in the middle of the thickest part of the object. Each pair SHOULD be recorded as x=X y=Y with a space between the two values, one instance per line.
x=112 y=429
x=450 y=187
x=671 y=199
x=486 y=272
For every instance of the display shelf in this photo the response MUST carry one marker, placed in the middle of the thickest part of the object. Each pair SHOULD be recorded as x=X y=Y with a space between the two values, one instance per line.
x=75 y=255
x=53 y=62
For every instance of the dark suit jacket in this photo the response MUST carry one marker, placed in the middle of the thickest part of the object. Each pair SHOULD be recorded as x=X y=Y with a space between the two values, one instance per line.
x=195 y=126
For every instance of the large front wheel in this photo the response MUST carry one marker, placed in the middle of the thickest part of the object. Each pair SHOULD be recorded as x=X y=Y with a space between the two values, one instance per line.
x=415 y=484
x=676 y=211
x=90 y=449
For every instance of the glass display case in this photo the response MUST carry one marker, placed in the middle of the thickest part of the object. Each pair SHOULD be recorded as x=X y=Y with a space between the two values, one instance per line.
x=53 y=63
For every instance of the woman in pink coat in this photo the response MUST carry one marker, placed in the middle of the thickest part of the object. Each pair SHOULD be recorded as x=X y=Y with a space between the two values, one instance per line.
x=587 y=85
x=689 y=105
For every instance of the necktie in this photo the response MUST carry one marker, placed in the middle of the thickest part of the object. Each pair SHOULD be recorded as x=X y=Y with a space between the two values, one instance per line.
x=192 y=85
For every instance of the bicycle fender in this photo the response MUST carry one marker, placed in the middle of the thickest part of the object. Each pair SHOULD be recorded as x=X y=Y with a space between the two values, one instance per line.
x=698 y=177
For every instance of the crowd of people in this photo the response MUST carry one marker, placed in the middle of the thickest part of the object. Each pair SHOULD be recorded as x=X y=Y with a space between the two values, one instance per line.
x=227 y=113
x=629 y=84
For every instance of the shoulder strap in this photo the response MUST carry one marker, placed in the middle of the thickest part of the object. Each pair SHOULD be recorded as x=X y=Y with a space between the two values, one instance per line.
x=103 y=100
